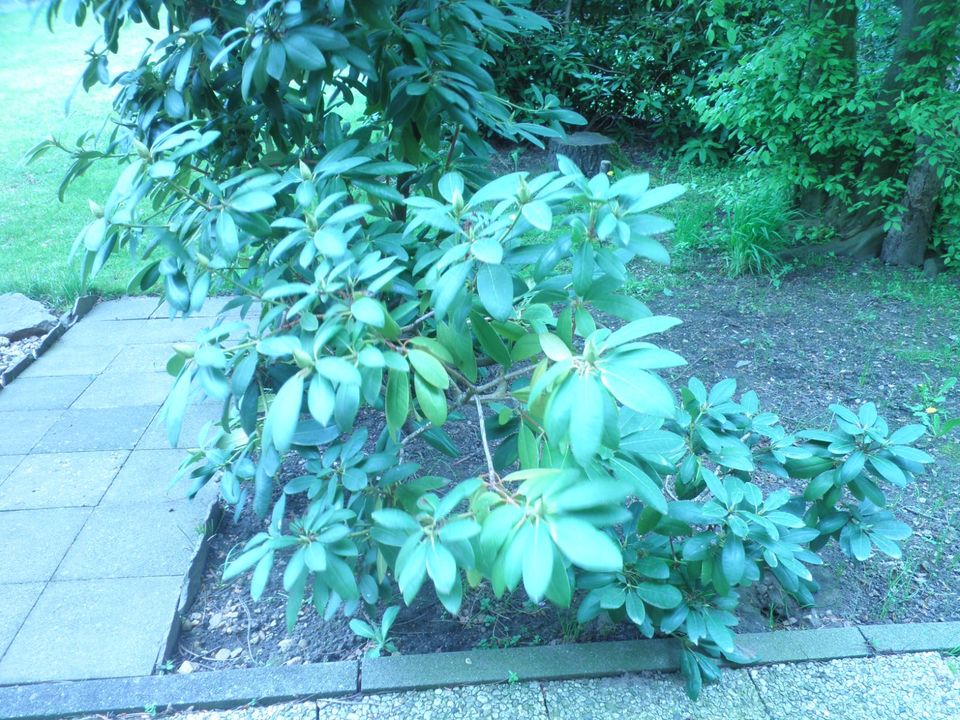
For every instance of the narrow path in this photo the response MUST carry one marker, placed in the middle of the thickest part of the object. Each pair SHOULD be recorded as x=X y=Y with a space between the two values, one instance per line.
x=94 y=542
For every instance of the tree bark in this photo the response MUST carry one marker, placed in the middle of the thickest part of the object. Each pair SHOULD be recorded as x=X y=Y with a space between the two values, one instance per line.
x=906 y=244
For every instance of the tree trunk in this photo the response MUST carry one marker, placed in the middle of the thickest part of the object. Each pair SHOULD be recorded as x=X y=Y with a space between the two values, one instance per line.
x=587 y=149
x=906 y=244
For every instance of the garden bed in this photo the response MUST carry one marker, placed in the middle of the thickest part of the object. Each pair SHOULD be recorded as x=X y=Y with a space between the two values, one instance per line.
x=844 y=333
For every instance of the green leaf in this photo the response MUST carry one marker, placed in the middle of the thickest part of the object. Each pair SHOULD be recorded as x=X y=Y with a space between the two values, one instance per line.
x=637 y=389
x=538 y=562
x=487 y=250
x=538 y=214
x=586 y=424
x=429 y=368
x=659 y=595
x=733 y=559
x=368 y=311
x=397 y=399
x=586 y=546
x=284 y=413
x=252 y=202
x=554 y=348
x=646 y=489
x=432 y=401
x=495 y=286
x=441 y=567
x=320 y=399
x=258 y=581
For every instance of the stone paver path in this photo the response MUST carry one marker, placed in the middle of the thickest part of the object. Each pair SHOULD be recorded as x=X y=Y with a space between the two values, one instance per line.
x=94 y=542
x=925 y=686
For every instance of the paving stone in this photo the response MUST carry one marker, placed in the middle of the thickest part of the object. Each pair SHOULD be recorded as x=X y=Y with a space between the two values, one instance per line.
x=16 y=605
x=7 y=465
x=93 y=629
x=126 y=308
x=406 y=672
x=87 y=429
x=126 y=390
x=150 y=358
x=61 y=480
x=136 y=540
x=913 y=637
x=33 y=542
x=90 y=333
x=194 y=420
x=792 y=645
x=146 y=476
x=223 y=688
x=31 y=426
x=63 y=360
x=502 y=702
x=886 y=687
x=653 y=696
x=43 y=393
x=22 y=317
x=211 y=308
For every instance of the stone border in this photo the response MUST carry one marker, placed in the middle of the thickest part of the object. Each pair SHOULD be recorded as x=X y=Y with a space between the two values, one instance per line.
x=232 y=688
x=81 y=307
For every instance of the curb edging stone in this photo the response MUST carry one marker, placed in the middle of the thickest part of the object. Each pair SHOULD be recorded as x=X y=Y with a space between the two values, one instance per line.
x=232 y=688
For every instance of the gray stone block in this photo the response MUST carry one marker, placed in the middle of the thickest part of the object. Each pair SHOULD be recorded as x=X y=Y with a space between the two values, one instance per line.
x=22 y=317
x=194 y=420
x=83 y=430
x=126 y=390
x=408 y=672
x=93 y=629
x=127 y=308
x=220 y=689
x=61 y=480
x=148 y=358
x=63 y=360
x=913 y=637
x=17 y=602
x=90 y=333
x=146 y=539
x=7 y=465
x=211 y=308
x=796 y=645
x=44 y=393
x=31 y=426
x=146 y=477
x=33 y=542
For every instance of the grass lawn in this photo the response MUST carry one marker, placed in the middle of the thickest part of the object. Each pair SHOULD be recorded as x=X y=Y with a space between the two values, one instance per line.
x=38 y=71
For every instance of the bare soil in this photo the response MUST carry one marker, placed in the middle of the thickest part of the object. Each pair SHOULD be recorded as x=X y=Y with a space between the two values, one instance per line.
x=844 y=333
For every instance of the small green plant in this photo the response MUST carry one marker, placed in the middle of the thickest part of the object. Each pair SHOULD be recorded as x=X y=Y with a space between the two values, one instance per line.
x=929 y=409
x=512 y=677
x=702 y=150
x=379 y=635
x=150 y=709
x=754 y=231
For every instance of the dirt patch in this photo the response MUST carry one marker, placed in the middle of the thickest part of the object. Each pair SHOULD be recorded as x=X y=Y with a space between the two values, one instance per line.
x=844 y=333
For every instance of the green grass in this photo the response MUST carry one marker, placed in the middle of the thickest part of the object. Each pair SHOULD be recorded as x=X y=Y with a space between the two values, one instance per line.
x=39 y=71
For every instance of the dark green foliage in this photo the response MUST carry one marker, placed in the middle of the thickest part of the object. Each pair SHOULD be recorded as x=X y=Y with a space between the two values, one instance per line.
x=399 y=290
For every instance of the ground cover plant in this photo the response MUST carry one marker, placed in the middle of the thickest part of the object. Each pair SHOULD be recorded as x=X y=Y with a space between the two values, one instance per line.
x=399 y=289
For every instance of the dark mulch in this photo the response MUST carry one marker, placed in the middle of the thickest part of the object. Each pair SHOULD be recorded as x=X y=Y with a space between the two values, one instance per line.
x=843 y=333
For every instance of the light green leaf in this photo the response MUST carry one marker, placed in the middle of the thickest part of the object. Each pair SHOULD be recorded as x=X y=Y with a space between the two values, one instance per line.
x=586 y=546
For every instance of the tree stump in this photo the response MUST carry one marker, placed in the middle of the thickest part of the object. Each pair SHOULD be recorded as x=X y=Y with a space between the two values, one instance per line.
x=587 y=149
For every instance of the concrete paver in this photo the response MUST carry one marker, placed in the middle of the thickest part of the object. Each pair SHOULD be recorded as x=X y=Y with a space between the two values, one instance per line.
x=61 y=360
x=93 y=629
x=126 y=390
x=7 y=465
x=59 y=480
x=31 y=426
x=17 y=602
x=194 y=419
x=157 y=539
x=33 y=542
x=97 y=429
x=94 y=550
x=44 y=393
x=146 y=476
